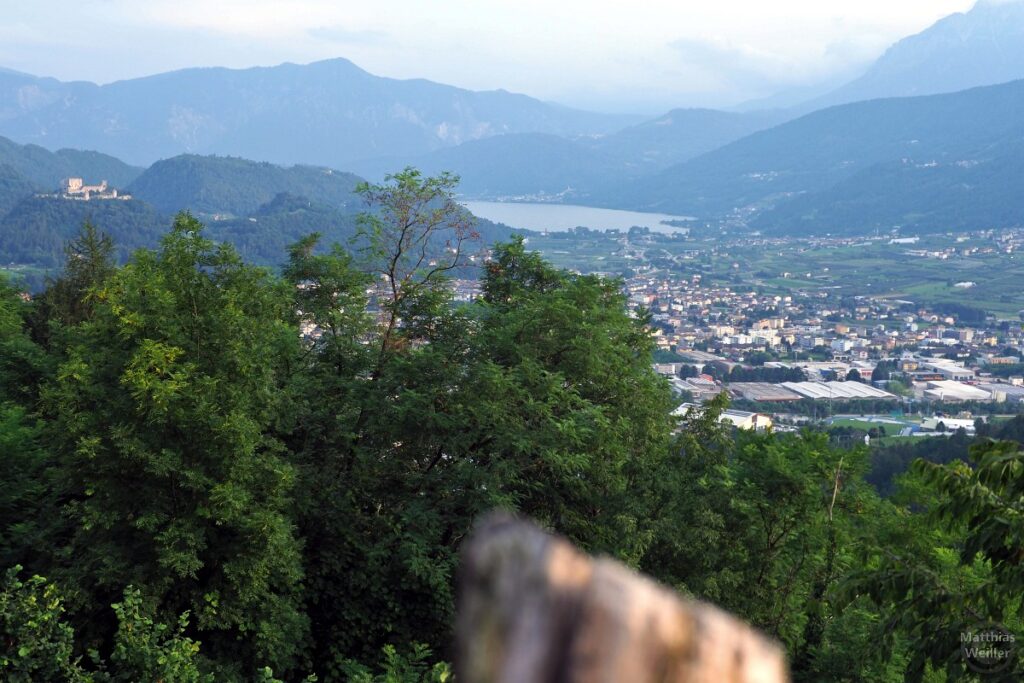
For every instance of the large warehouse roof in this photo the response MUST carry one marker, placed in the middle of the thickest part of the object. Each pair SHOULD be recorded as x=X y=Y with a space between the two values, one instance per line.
x=764 y=391
x=837 y=390
x=948 y=390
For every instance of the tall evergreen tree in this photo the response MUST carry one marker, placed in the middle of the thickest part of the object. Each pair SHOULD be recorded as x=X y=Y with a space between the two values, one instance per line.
x=70 y=298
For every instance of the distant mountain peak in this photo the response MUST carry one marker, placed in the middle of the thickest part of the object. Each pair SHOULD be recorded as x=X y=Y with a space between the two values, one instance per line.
x=983 y=46
x=329 y=112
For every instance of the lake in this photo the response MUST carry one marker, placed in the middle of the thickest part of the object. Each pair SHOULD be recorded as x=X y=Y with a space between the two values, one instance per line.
x=562 y=217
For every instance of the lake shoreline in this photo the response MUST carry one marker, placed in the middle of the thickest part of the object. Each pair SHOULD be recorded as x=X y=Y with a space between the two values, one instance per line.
x=545 y=217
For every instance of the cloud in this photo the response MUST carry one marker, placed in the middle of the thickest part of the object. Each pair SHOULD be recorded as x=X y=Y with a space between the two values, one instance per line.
x=657 y=51
x=738 y=62
x=346 y=36
x=737 y=66
x=751 y=70
x=254 y=18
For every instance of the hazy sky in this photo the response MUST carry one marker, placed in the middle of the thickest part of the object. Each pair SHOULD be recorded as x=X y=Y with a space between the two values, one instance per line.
x=642 y=56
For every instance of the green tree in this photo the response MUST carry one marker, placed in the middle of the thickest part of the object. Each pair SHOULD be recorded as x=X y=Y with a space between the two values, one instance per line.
x=23 y=364
x=70 y=298
x=36 y=644
x=145 y=650
x=898 y=387
x=942 y=574
x=382 y=547
x=577 y=412
x=163 y=412
x=540 y=397
x=24 y=511
x=414 y=667
x=687 y=371
x=416 y=234
x=882 y=371
x=767 y=526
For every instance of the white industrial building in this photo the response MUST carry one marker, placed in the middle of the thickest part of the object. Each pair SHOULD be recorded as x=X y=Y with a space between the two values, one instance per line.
x=949 y=390
x=951 y=424
x=1003 y=392
x=839 y=391
x=949 y=369
x=740 y=419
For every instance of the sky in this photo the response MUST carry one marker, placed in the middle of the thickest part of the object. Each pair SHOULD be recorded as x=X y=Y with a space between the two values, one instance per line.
x=642 y=56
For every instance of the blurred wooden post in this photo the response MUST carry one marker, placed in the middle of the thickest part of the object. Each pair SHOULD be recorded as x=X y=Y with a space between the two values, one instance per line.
x=533 y=609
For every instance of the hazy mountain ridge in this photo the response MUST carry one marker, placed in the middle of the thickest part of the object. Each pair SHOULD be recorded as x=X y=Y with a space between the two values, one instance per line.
x=835 y=169
x=332 y=113
x=326 y=113
x=981 y=47
x=817 y=151
x=531 y=164
x=964 y=194
x=682 y=134
x=512 y=165
x=984 y=46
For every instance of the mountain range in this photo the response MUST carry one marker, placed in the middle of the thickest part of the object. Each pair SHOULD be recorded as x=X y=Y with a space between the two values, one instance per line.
x=983 y=46
x=646 y=167
x=906 y=195
x=531 y=164
x=913 y=142
x=329 y=113
x=334 y=114
x=818 y=151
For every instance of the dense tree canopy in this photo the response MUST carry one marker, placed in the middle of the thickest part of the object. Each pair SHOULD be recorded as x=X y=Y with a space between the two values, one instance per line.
x=230 y=474
x=163 y=409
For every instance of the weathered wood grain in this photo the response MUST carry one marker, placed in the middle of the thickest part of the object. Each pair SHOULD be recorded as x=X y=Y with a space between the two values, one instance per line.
x=533 y=609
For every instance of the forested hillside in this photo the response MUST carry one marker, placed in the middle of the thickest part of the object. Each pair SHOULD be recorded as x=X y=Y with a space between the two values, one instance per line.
x=14 y=187
x=259 y=208
x=46 y=169
x=217 y=473
x=36 y=229
x=820 y=151
x=238 y=187
x=935 y=196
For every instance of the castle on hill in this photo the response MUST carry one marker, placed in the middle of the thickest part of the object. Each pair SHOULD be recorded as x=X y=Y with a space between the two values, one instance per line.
x=75 y=188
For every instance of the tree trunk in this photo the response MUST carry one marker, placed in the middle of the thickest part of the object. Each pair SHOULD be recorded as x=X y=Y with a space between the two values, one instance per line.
x=533 y=609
